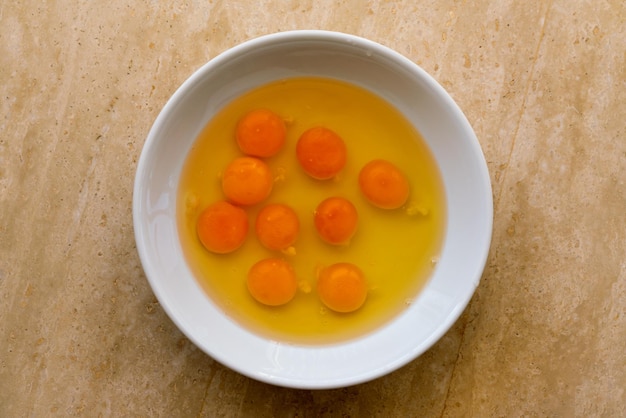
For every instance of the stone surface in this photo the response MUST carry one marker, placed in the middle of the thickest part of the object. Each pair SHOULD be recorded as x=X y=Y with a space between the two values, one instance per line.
x=543 y=83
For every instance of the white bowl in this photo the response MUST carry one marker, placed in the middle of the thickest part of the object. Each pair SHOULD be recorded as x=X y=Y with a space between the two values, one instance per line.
x=412 y=91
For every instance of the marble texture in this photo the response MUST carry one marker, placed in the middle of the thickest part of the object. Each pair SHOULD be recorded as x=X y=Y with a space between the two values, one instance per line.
x=543 y=84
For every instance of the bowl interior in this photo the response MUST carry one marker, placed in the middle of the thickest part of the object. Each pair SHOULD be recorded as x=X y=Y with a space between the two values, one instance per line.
x=421 y=100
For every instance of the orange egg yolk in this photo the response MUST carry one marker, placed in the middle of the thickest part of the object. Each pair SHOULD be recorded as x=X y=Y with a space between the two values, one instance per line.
x=336 y=220
x=222 y=227
x=247 y=181
x=383 y=184
x=272 y=282
x=277 y=226
x=321 y=153
x=260 y=133
x=342 y=287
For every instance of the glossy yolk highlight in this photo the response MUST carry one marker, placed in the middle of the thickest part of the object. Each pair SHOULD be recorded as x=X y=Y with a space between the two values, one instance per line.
x=383 y=184
x=342 y=287
x=321 y=153
x=247 y=181
x=336 y=220
x=272 y=282
x=277 y=226
x=260 y=133
x=222 y=227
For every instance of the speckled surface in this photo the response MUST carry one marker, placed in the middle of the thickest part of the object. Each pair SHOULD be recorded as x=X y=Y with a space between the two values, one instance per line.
x=543 y=84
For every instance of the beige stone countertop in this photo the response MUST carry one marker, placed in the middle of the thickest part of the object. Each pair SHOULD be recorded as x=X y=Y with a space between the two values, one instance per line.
x=542 y=82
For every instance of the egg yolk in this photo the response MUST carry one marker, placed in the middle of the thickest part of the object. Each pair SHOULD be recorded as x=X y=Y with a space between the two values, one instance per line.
x=247 y=181
x=277 y=226
x=321 y=153
x=383 y=184
x=222 y=227
x=272 y=282
x=342 y=287
x=336 y=220
x=260 y=133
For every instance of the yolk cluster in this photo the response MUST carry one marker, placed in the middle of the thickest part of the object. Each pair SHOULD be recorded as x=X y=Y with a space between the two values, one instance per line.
x=222 y=227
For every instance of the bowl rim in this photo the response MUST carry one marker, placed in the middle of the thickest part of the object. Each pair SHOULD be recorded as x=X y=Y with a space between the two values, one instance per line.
x=299 y=36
